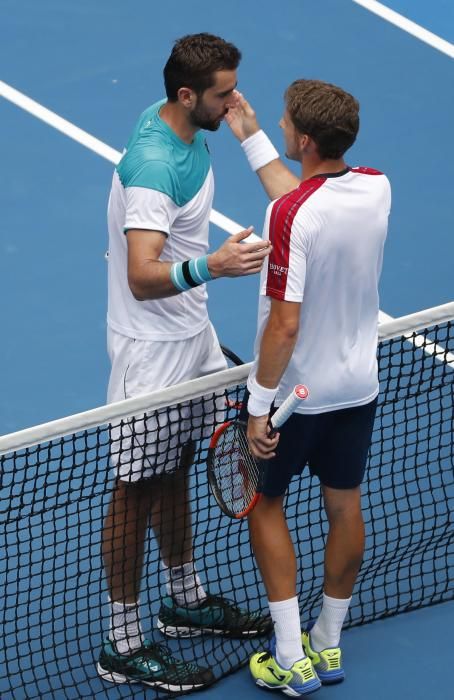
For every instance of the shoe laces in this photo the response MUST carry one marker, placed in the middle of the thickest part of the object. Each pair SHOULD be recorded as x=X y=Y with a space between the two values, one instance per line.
x=162 y=652
x=230 y=609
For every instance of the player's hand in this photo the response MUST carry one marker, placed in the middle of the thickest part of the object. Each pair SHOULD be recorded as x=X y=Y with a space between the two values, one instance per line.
x=261 y=445
x=236 y=259
x=241 y=118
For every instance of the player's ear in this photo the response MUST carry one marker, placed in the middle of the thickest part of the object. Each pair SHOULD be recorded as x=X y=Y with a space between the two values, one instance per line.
x=306 y=143
x=186 y=97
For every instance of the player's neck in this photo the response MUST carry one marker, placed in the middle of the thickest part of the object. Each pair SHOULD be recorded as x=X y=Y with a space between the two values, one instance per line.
x=176 y=118
x=311 y=166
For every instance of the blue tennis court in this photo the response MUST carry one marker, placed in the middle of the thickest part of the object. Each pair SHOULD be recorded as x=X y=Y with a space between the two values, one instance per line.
x=98 y=65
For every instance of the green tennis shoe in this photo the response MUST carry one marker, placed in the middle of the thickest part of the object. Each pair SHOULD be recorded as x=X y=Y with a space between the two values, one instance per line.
x=214 y=615
x=300 y=679
x=327 y=663
x=153 y=665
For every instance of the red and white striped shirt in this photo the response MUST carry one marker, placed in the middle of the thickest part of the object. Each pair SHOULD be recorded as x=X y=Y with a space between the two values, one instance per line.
x=328 y=236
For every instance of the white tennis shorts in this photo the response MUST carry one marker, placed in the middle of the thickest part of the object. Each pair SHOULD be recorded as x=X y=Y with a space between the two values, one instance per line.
x=149 y=445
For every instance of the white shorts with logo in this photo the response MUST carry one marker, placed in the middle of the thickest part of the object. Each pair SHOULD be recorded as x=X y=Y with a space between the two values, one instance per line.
x=149 y=445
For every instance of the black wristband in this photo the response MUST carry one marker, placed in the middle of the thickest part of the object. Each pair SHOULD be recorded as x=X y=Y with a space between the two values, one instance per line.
x=187 y=274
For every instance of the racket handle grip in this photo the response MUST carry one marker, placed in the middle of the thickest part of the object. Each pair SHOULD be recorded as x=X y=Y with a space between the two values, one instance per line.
x=285 y=410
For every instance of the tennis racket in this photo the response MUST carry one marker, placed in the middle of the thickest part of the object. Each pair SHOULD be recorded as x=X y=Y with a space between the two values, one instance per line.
x=233 y=473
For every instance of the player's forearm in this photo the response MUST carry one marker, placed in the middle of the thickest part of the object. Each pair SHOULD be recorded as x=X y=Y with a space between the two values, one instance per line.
x=263 y=158
x=149 y=278
x=152 y=280
x=276 y=348
x=277 y=179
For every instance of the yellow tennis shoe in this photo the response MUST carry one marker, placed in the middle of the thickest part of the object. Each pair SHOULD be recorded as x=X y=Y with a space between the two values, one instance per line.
x=327 y=663
x=300 y=679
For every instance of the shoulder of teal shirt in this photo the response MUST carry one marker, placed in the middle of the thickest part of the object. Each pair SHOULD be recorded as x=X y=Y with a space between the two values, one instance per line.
x=145 y=118
x=156 y=158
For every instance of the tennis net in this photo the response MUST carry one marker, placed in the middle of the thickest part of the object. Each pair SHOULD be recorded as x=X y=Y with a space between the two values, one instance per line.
x=57 y=480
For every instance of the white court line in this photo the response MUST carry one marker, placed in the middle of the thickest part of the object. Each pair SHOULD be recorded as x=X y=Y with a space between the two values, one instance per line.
x=408 y=26
x=102 y=149
x=95 y=145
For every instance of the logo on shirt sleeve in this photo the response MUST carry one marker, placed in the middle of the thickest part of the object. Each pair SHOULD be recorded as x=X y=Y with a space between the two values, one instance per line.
x=277 y=270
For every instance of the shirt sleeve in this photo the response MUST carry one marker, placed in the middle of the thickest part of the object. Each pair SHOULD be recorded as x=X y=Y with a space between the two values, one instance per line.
x=285 y=273
x=149 y=209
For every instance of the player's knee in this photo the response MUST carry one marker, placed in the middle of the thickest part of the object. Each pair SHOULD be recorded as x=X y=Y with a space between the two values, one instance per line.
x=342 y=505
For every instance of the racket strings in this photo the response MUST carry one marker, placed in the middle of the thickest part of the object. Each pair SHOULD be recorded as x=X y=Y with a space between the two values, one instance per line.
x=236 y=471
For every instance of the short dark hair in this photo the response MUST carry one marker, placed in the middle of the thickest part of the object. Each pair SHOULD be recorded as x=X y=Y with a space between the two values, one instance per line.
x=326 y=113
x=194 y=60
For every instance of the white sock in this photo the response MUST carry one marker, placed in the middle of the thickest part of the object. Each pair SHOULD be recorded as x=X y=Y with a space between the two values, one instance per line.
x=326 y=632
x=125 y=629
x=287 y=627
x=184 y=585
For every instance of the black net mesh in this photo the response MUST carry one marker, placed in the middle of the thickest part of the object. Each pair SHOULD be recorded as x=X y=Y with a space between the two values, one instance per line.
x=55 y=495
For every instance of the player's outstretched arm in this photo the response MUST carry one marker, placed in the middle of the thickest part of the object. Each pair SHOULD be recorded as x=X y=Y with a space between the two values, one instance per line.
x=151 y=278
x=275 y=177
x=236 y=259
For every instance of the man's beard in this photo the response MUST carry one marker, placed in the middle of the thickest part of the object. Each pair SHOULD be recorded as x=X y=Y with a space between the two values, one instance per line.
x=200 y=118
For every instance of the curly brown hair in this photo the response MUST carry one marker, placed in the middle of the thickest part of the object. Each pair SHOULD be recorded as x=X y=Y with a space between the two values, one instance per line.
x=326 y=113
x=194 y=60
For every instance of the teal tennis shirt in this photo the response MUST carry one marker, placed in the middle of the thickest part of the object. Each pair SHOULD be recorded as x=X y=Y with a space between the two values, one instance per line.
x=158 y=159
x=160 y=184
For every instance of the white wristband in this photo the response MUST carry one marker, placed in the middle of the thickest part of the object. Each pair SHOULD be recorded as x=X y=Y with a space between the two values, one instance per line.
x=260 y=398
x=259 y=150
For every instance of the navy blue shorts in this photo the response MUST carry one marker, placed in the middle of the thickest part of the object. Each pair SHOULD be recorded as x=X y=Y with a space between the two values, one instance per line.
x=334 y=445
